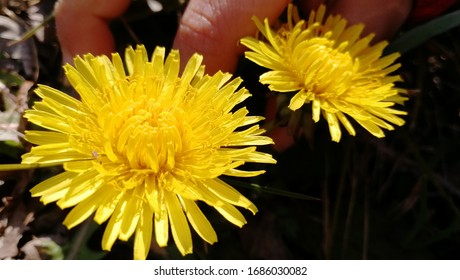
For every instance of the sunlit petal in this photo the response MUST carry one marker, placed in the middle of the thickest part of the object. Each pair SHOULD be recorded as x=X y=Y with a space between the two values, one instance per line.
x=143 y=145
x=325 y=62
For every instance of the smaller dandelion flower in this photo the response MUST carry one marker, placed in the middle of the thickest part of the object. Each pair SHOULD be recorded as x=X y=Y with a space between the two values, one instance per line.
x=330 y=66
x=144 y=145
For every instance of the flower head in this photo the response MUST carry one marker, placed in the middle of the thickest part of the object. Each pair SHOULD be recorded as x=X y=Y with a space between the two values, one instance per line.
x=144 y=145
x=330 y=66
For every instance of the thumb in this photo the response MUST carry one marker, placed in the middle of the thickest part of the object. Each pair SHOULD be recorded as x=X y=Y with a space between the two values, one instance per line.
x=214 y=28
x=382 y=17
x=82 y=26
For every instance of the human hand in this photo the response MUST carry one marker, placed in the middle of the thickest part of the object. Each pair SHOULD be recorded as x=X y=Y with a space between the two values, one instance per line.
x=212 y=28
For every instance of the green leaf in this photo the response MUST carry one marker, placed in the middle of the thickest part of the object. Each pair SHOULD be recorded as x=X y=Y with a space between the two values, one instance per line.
x=50 y=248
x=78 y=249
x=30 y=33
x=11 y=149
x=20 y=166
x=269 y=190
x=416 y=36
x=10 y=78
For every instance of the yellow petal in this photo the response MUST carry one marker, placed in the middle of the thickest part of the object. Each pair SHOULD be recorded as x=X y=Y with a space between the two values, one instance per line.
x=179 y=226
x=107 y=205
x=114 y=226
x=190 y=69
x=53 y=184
x=48 y=120
x=131 y=215
x=372 y=128
x=81 y=187
x=84 y=69
x=282 y=81
x=231 y=214
x=334 y=127
x=60 y=97
x=258 y=157
x=162 y=226
x=348 y=126
x=237 y=140
x=143 y=235
x=30 y=157
x=118 y=65
x=229 y=194
x=53 y=148
x=242 y=173
x=80 y=213
x=298 y=100
x=141 y=141
x=331 y=64
x=158 y=57
x=52 y=197
x=199 y=221
x=78 y=166
x=316 y=109
x=41 y=137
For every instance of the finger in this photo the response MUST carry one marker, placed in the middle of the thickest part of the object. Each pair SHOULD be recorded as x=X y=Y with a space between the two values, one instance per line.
x=82 y=26
x=214 y=28
x=382 y=17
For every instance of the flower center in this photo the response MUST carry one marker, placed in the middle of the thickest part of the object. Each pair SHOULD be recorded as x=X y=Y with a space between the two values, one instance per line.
x=324 y=69
x=150 y=138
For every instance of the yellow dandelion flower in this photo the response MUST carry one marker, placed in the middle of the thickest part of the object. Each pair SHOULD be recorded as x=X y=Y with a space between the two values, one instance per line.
x=144 y=145
x=330 y=66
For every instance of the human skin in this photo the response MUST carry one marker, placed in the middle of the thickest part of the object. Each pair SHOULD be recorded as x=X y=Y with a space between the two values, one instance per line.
x=212 y=27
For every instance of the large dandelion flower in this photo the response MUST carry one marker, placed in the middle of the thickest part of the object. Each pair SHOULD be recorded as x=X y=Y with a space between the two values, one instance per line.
x=144 y=145
x=328 y=65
